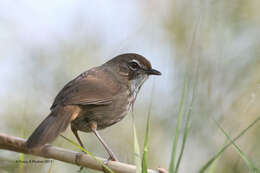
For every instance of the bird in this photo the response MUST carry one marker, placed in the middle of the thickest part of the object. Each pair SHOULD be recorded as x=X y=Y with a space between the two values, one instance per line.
x=95 y=100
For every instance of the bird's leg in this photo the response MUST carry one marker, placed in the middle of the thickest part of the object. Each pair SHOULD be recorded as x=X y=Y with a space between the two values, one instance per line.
x=93 y=127
x=75 y=132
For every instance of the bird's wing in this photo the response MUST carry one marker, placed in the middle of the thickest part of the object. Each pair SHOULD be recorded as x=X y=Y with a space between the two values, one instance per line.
x=91 y=87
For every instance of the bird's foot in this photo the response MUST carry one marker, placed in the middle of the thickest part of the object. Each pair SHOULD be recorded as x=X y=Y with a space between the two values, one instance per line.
x=77 y=160
x=105 y=163
x=112 y=158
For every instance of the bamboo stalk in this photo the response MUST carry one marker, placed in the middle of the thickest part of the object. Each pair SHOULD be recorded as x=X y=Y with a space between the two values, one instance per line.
x=17 y=144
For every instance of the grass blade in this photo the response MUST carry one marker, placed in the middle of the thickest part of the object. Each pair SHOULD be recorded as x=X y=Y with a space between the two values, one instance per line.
x=176 y=137
x=203 y=169
x=186 y=132
x=213 y=166
x=51 y=166
x=144 y=160
x=248 y=162
x=136 y=147
x=188 y=121
x=86 y=151
x=21 y=155
x=146 y=140
x=21 y=160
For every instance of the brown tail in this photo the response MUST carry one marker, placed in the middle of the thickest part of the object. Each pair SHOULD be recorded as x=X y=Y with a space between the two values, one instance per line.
x=56 y=122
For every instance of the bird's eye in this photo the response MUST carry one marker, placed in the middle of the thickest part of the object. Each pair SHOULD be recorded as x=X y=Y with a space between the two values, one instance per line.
x=133 y=65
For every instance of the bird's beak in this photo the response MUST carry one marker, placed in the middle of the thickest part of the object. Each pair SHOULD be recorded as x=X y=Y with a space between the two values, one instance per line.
x=153 y=72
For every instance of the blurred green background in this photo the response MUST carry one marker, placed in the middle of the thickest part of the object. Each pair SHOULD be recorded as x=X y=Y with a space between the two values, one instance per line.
x=44 y=44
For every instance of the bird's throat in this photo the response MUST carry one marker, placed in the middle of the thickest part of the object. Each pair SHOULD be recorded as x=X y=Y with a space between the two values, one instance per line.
x=136 y=84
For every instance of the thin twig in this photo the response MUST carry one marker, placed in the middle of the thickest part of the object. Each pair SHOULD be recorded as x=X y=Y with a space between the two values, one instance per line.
x=16 y=144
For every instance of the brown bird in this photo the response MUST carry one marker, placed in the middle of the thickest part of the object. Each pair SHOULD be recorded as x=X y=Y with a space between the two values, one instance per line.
x=94 y=100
